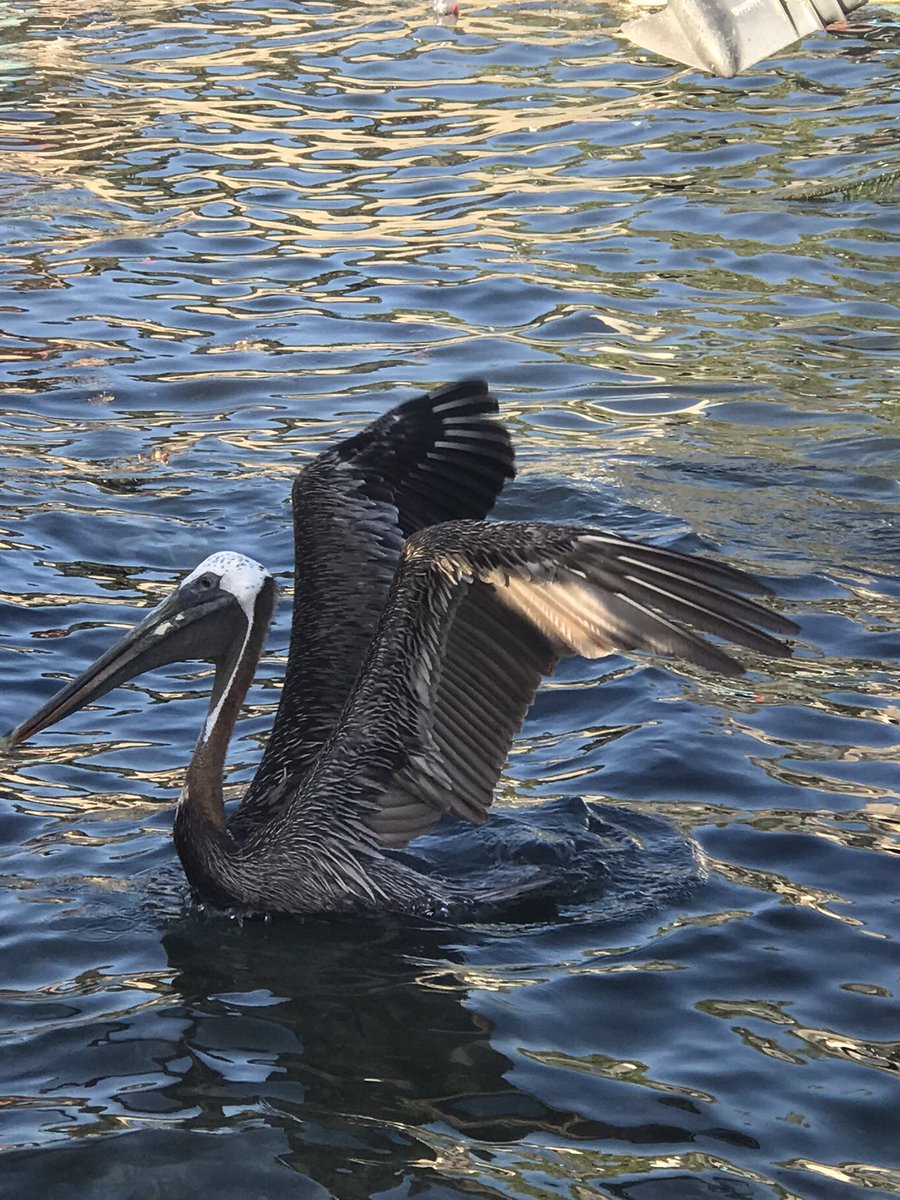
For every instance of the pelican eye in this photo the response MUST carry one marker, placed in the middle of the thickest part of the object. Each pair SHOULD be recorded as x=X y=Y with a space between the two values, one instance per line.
x=206 y=582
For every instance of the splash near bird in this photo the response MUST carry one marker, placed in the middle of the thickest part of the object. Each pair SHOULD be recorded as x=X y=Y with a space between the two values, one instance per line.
x=420 y=634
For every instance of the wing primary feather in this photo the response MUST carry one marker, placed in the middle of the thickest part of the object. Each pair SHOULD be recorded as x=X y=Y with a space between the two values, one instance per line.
x=679 y=641
x=688 y=566
x=713 y=622
x=711 y=597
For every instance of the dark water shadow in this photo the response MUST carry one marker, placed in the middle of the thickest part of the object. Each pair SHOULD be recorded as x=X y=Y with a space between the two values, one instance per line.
x=346 y=1052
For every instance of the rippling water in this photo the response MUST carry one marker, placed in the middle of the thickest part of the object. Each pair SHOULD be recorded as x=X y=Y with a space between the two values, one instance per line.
x=234 y=232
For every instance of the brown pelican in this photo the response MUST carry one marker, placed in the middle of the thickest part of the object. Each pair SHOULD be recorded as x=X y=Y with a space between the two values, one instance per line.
x=412 y=662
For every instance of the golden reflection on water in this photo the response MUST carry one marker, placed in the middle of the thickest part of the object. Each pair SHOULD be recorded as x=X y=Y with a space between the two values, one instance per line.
x=883 y=1055
x=97 y=113
x=606 y=1067
x=861 y=1175
x=566 y=1168
x=793 y=892
x=262 y=101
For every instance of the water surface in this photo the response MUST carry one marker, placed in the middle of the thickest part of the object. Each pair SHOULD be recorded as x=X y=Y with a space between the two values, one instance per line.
x=234 y=232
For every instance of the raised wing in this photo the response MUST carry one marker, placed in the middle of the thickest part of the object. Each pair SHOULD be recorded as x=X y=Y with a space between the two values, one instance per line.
x=477 y=614
x=439 y=456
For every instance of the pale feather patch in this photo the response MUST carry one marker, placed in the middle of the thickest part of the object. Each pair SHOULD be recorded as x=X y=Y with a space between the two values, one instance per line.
x=241 y=576
x=565 y=609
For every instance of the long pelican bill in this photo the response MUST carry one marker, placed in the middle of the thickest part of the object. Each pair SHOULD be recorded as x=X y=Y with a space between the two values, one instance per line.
x=189 y=624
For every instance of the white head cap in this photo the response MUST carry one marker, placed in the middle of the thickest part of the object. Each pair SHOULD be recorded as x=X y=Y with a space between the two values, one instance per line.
x=241 y=576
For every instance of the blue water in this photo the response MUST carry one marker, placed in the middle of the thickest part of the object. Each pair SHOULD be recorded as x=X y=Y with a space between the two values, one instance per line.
x=234 y=232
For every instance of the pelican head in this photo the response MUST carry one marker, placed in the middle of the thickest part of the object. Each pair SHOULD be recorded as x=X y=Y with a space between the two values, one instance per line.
x=211 y=616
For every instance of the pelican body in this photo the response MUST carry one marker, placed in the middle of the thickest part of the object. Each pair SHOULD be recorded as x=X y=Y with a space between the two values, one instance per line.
x=420 y=634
